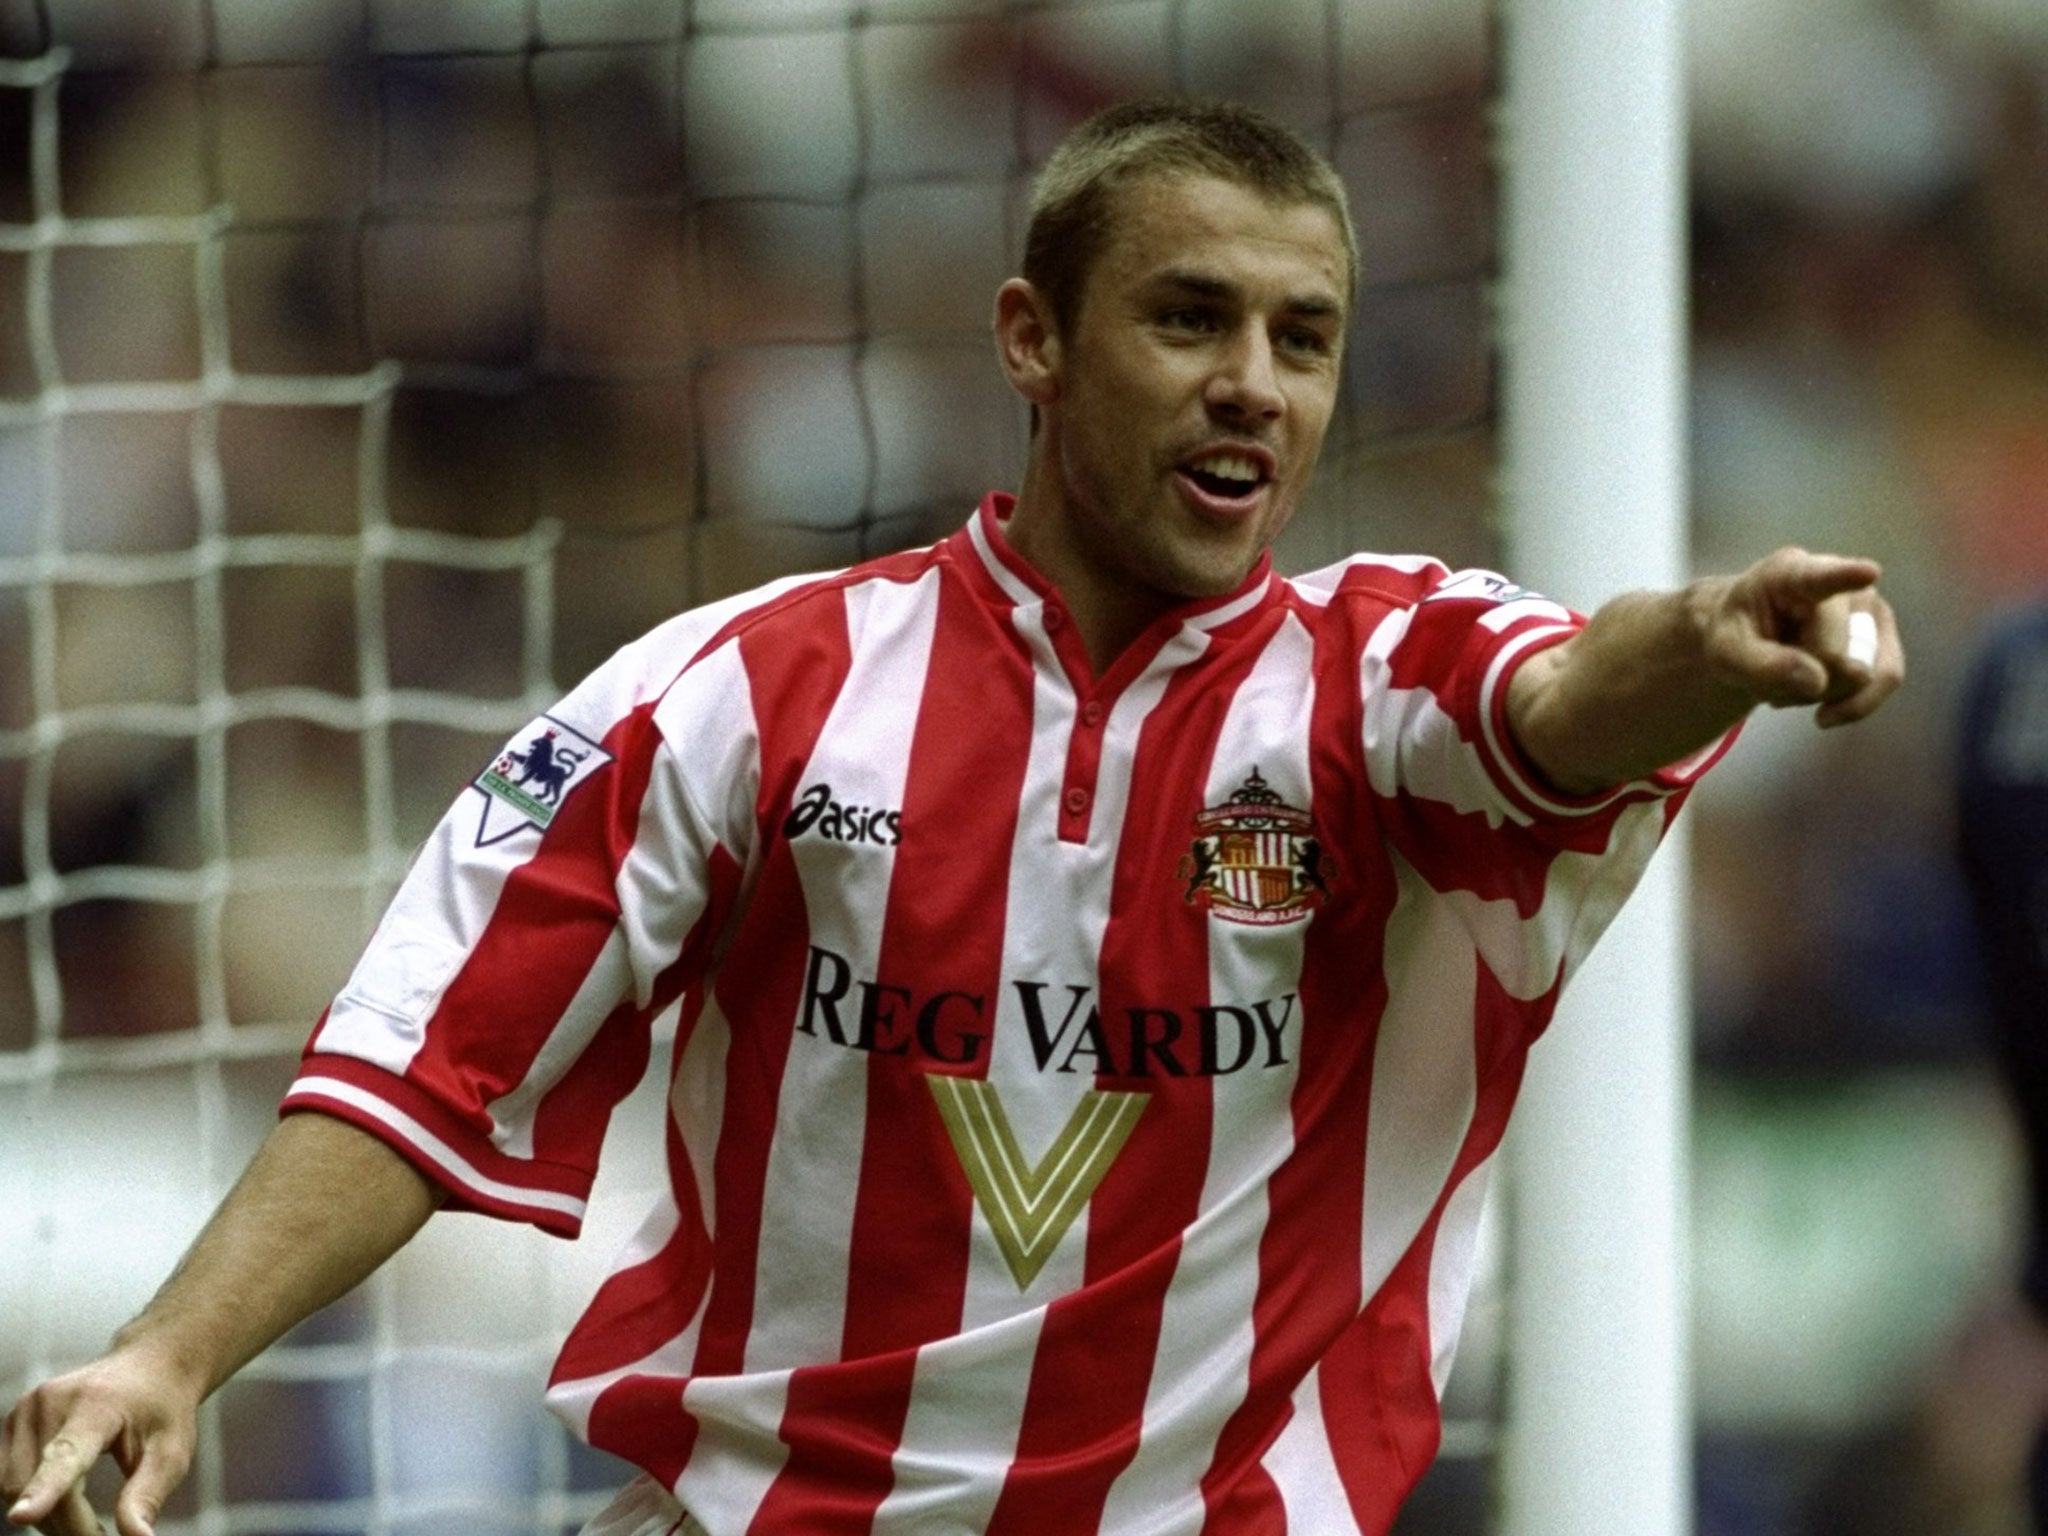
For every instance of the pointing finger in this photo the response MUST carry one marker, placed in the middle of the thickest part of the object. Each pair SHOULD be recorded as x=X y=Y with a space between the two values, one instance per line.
x=1795 y=576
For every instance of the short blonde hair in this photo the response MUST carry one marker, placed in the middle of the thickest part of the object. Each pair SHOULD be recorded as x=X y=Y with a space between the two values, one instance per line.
x=1073 y=199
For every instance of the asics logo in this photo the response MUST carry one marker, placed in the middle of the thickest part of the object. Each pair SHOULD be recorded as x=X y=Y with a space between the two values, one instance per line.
x=816 y=811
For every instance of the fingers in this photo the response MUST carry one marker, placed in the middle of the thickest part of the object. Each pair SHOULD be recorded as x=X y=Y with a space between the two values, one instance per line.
x=1881 y=678
x=73 y=1516
x=1769 y=671
x=1795 y=579
x=50 y=1497
x=165 y=1460
x=55 y=1434
x=1802 y=628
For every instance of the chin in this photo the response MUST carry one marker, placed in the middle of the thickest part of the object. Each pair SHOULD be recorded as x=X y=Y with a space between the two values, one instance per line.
x=1191 y=584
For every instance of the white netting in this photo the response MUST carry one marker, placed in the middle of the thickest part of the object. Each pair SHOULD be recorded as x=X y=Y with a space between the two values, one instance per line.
x=367 y=372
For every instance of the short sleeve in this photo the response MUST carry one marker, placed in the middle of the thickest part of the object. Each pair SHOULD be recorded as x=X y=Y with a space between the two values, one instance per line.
x=1434 y=680
x=505 y=1004
x=1533 y=875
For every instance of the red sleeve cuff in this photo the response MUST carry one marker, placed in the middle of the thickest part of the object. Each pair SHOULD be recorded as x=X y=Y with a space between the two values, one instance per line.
x=475 y=1173
x=1523 y=783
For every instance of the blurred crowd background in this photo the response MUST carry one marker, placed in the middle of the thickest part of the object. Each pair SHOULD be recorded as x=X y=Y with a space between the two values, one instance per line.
x=368 y=370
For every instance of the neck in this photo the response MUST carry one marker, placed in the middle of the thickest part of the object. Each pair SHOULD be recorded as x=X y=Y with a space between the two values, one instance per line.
x=1108 y=610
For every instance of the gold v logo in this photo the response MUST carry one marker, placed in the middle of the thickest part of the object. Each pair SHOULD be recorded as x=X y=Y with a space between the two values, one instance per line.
x=1030 y=1207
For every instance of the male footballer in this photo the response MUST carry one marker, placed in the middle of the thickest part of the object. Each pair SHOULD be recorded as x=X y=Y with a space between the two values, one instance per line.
x=1102 y=967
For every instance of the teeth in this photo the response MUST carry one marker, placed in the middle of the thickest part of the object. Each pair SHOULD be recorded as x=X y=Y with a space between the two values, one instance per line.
x=1227 y=466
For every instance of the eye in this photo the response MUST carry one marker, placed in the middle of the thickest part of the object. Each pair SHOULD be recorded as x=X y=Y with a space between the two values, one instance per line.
x=1190 y=318
x=1305 y=340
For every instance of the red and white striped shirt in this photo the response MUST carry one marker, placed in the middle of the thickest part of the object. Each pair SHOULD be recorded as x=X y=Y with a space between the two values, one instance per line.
x=1083 y=1087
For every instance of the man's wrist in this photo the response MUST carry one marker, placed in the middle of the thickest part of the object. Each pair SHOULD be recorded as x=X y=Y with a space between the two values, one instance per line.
x=153 y=1346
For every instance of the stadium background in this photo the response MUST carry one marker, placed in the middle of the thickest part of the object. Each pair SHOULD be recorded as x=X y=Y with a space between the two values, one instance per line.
x=369 y=370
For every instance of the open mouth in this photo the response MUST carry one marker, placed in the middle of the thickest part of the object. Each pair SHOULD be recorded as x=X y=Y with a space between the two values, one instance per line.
x=1227 y=476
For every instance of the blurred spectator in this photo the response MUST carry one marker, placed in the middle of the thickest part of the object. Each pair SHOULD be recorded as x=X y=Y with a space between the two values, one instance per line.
x=2004 y=838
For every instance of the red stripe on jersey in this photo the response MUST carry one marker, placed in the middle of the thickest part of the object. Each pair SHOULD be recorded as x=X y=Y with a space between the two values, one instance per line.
x=1379 y=1407
x=554 y=916
x=616 y=1059
x=1457 y=850
x=1390 y=586
x=637 y=1310
x=1085 y=1405
x=795 y=671
x=1094 y=699
x=942 y=933
x=1249 y=1506
x=1446 y=651
x=642 y=1418
x=829 y=590
x=584 y=1098
x=1309 y=1276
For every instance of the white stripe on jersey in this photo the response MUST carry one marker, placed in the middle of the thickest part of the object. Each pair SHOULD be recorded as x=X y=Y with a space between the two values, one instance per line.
x=1304 y=1468
x=739 y=1451
x=808 y=1198
x=1411 y=744
x=697 y=1104
x=444 y=1157
x=1206 y=1335
x=1451 y=1260
x=1319 y=586
x=1014 y=586
x=701 y=791
x=697 y=1100
x=1582 y=892
x=380 y=1016
x=966 y=1408
x=1424 y=1072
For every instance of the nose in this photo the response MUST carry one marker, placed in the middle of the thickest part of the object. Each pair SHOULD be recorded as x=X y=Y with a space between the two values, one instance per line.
x=1246 y=383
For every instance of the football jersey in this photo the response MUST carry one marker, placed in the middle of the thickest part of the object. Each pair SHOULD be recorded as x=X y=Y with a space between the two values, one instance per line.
x=1083 y=1086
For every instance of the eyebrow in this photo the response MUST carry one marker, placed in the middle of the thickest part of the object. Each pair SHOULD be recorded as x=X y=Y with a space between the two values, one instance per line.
x=1203 y=286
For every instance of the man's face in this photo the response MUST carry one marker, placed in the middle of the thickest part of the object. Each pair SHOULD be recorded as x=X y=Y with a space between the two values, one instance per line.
x=1193 y=387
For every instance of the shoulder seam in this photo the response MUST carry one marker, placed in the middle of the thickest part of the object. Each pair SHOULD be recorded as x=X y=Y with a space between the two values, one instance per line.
x=836 y=581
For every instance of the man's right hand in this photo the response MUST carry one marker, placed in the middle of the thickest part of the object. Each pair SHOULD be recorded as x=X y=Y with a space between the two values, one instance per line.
x=321 y=1206
x=128 y=1402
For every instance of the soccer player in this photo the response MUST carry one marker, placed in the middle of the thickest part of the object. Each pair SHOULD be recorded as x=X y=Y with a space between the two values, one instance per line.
x=1102 y=967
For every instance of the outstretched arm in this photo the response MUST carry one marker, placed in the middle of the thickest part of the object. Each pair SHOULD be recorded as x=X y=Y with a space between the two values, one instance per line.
x=1655 y=676
x=321 y=1206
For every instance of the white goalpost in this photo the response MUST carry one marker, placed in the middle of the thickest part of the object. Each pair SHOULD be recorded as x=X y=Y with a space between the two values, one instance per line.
x=1597 y=1439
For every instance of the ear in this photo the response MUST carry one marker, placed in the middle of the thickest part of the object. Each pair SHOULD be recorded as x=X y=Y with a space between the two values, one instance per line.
x=1028 y=342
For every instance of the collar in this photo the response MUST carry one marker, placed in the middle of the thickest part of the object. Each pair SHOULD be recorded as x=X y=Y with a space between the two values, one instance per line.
x=983 y=546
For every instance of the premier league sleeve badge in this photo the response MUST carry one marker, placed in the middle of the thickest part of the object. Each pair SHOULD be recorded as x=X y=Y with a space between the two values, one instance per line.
x=524 y=785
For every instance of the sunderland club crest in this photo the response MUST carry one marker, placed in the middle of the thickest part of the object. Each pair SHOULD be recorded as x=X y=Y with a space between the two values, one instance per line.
x=1254 y=861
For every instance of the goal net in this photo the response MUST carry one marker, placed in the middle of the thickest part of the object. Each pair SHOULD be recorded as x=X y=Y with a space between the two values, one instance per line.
x=369 y=371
